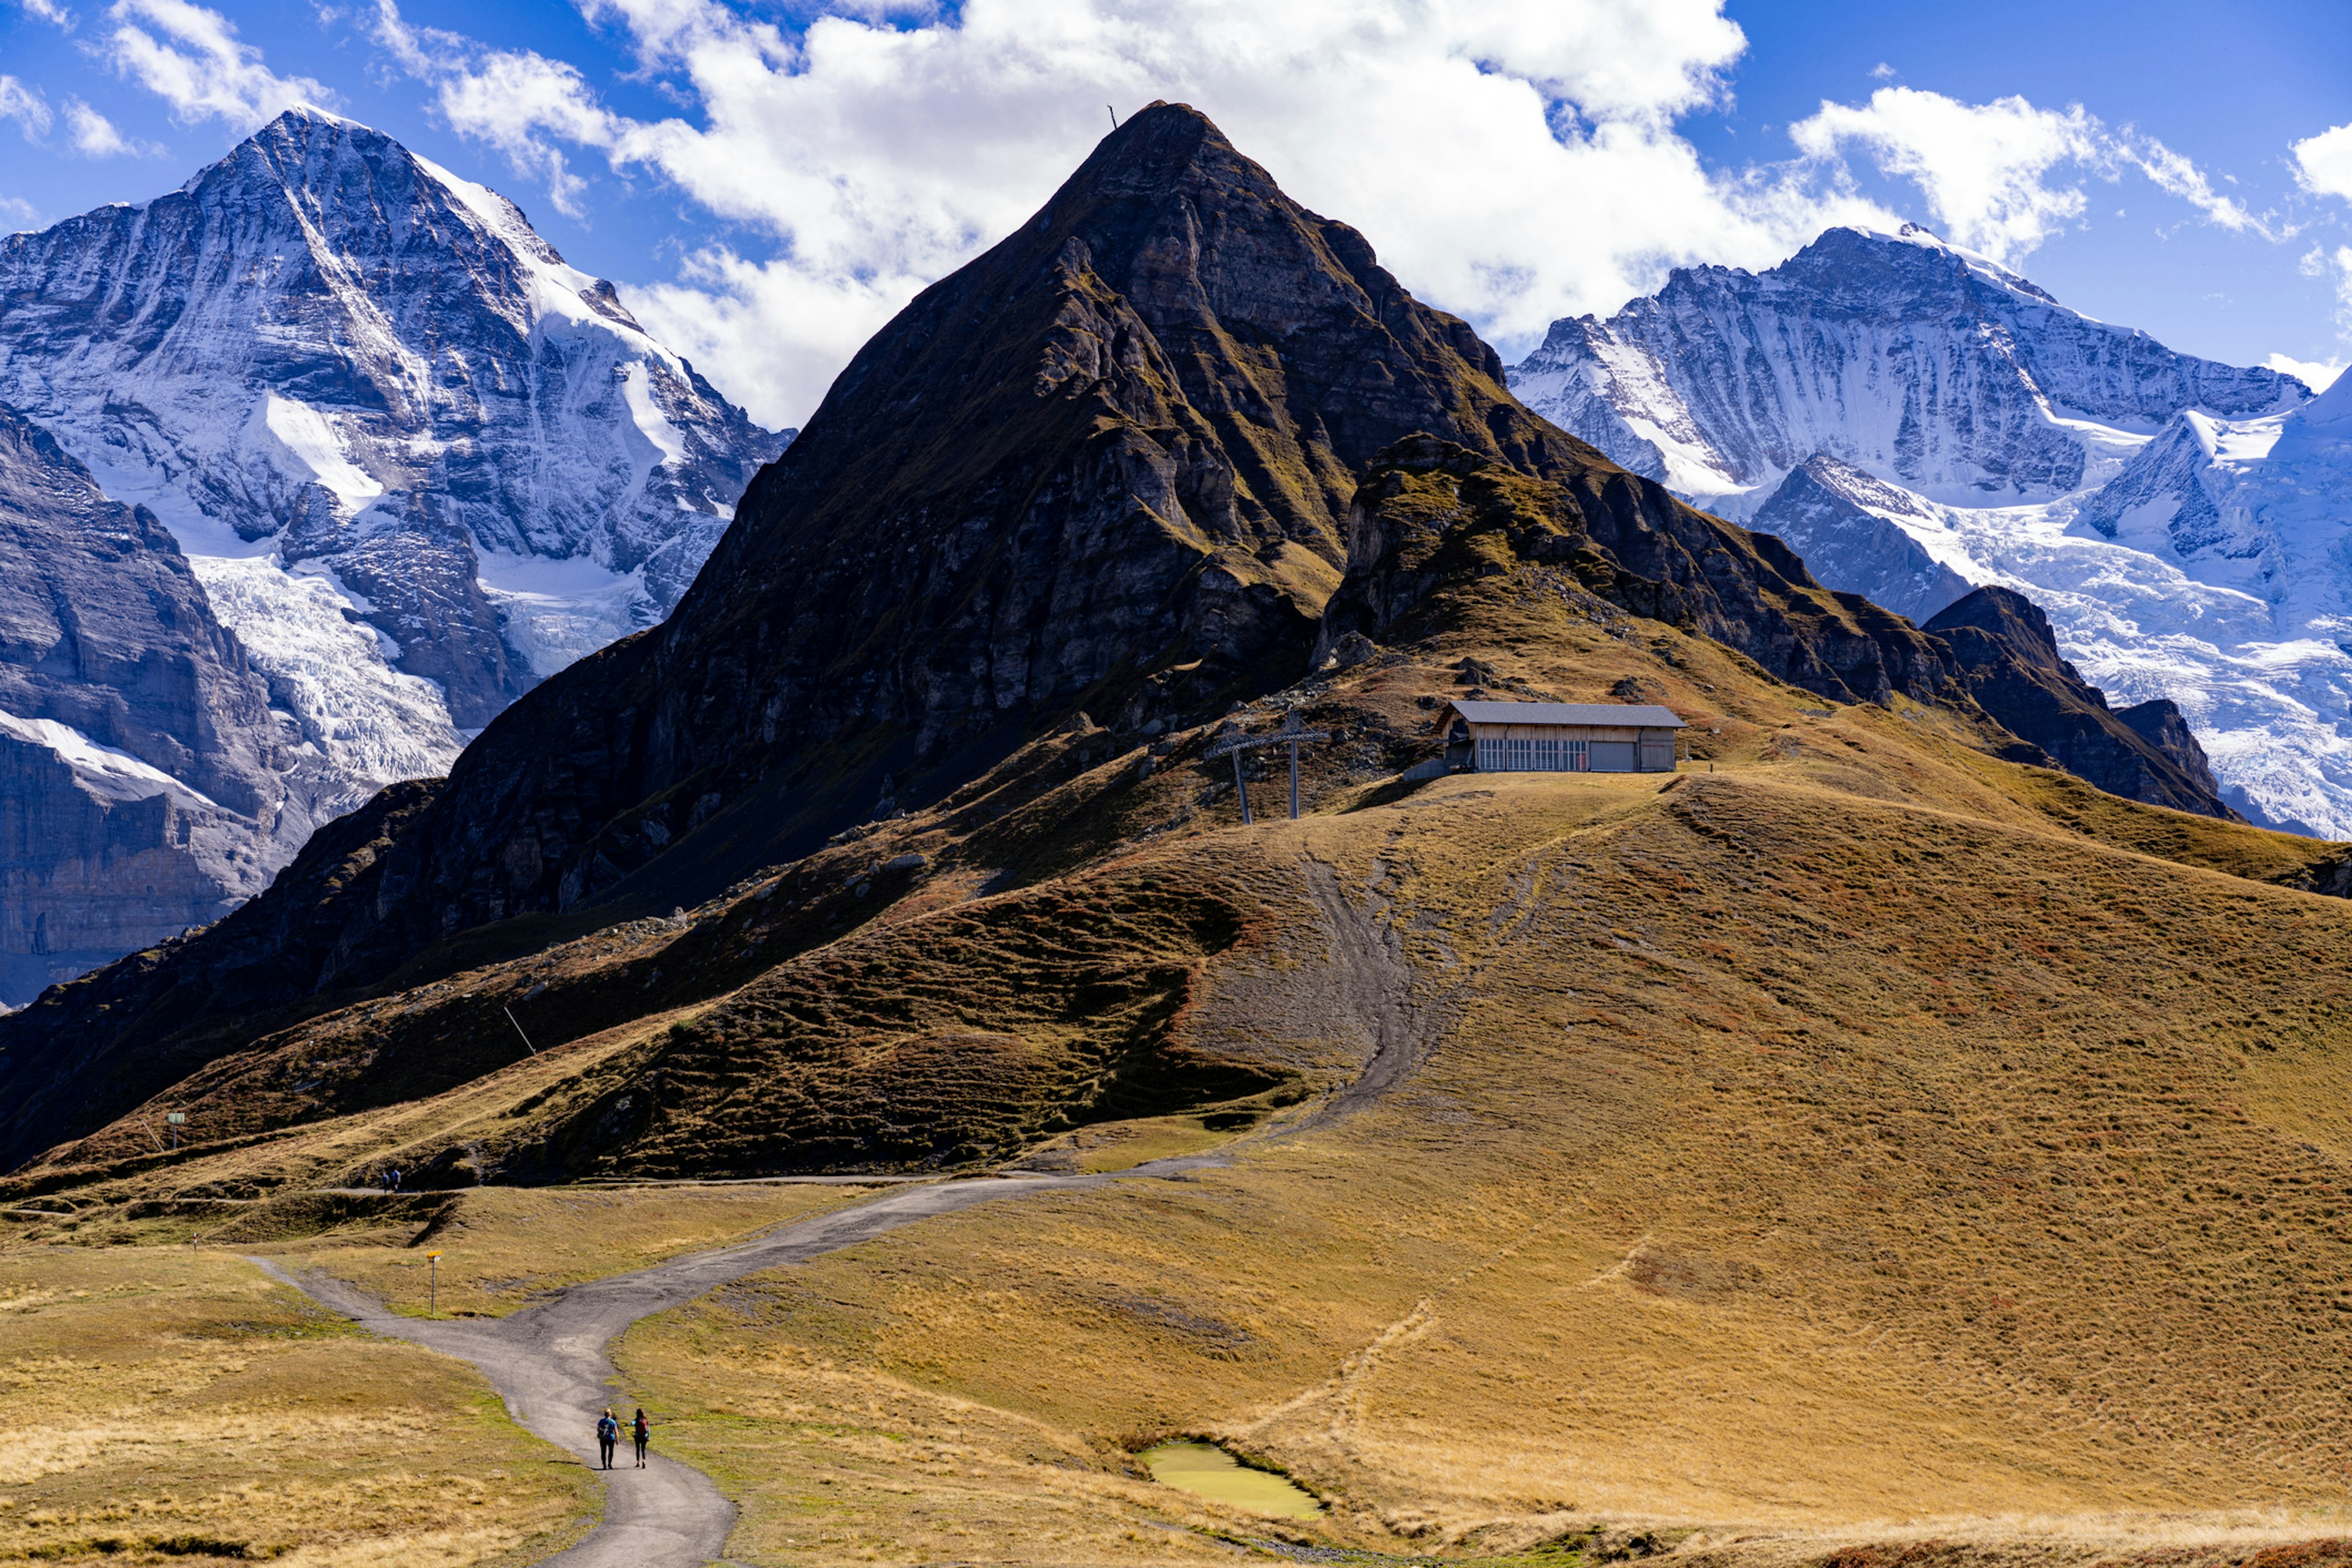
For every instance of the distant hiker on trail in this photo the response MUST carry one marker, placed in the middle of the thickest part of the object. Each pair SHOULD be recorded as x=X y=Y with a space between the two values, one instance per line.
x=641 y=1429
x=608 y=1435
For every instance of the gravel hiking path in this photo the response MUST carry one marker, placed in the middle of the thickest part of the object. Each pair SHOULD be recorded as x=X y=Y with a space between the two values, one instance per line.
x=548 y=1362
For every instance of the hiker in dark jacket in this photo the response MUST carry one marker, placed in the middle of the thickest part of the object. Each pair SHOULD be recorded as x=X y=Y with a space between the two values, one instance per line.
x=641 y=1429
x=608 y=1436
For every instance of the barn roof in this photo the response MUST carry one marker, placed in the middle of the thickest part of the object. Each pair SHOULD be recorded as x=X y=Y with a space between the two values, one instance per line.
x=1645 y=715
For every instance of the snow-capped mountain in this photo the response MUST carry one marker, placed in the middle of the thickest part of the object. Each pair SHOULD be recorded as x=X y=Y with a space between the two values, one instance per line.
x=1912 y=359
x=392 y=461
x=417 y=462
x=2186 y=525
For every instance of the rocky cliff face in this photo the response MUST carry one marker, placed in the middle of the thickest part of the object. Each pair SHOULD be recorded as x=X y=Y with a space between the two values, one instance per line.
x=1861 y=535
x=1898 y=354
x=145 y=784
x=359 y=389
x=2015 y=672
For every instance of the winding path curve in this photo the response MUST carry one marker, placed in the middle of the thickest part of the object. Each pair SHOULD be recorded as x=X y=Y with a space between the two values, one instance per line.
x=548 y=1362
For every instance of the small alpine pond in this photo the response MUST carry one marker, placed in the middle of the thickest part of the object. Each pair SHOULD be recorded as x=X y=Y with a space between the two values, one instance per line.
x=1208 y=1470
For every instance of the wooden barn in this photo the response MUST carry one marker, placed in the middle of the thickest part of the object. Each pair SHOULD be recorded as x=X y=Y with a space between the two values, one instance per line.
x=1564 y=737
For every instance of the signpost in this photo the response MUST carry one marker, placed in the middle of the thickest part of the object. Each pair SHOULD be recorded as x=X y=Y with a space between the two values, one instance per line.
x=1292 y=734
x=432 y=1298
x=175 y=1120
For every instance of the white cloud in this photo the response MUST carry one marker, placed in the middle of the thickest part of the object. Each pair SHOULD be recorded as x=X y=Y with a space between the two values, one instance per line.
x=2316 y=374
x=1514 y=161
x=192 y=58
x=2179 y=176
x=20 y=213
x=1991 y=172
x=2313 y=267
x=25 y=107
x=1983 y=168
x=50 y=12
x=2323 y=164
x=94 y=135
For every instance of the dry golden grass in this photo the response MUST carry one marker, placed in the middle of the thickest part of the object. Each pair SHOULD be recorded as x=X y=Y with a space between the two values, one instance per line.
x=1106 y=1146
x=1869 y=1153
x=1794 y=1159
x=163 y=1406
x=504 y=1247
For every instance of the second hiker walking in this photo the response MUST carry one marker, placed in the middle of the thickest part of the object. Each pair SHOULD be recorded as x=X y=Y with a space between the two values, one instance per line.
x=608 y=1437
x=641 y=1429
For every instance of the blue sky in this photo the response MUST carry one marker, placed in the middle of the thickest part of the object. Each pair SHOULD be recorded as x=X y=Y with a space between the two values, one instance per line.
x=768 y=182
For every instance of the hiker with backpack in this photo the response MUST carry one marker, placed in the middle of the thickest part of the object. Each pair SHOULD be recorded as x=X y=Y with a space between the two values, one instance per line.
x=608 y=1437
x=642 y=1429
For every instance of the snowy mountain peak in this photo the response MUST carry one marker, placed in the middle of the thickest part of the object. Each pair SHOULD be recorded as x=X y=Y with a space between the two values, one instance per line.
x=1901 y=354
x=363 y=392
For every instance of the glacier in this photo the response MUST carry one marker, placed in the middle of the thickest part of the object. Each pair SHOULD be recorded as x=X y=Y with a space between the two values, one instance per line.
x=1901 y=408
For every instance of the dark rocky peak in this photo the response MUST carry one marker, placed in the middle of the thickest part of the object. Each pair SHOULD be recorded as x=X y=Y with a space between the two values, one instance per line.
x=1168 y=283
x=2160 y=722
x=1103 y=468
x=1993 y=615
x=2003 y=642
x=1843 y=521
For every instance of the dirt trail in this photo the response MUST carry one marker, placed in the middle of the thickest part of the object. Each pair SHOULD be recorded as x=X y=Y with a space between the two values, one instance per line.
x=1375 y=989
x=549 y=1362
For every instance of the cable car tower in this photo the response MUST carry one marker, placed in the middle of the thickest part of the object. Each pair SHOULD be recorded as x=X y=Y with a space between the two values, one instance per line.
x=1292 y=734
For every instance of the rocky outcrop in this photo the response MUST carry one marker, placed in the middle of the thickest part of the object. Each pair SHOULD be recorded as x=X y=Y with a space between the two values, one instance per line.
x=145 y=786
x=2003 y=642
x=2161 y=724
x=1850 y=527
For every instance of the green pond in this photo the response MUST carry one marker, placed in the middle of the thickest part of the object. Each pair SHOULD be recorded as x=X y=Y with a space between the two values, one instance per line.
x=1205 y=1468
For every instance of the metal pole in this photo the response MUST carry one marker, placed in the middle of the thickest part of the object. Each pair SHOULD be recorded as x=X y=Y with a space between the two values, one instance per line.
x=1294 y=780
x=1240 y=788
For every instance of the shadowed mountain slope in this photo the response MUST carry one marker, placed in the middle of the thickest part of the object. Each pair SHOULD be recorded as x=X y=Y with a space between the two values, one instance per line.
x=1112 y=465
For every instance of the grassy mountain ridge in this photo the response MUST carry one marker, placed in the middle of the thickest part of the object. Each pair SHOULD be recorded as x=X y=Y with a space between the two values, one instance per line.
x=1105 y=468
